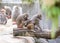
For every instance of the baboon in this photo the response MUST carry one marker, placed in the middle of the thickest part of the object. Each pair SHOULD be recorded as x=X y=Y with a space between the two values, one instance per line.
x=30 y=26
x=3 y=19
x=35 y=20
x=15 y=13
x=8 y=11
x=22 y=19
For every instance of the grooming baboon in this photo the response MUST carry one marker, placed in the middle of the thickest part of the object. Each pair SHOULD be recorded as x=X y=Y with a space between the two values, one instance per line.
x=22 y=19
x=15 y=13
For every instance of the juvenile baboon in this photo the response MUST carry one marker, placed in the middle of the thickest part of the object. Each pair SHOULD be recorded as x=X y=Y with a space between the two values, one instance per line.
x=30 y=26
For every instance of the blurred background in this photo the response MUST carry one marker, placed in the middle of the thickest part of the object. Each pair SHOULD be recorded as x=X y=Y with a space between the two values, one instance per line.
x=33 y=7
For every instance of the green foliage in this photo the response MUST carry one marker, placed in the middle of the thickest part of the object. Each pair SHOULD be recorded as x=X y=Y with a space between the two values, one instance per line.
x=52 y=13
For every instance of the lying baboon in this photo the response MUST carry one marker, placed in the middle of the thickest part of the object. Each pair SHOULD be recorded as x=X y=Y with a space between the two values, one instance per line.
x=30 y=26
x=21 y=19
x=15 y=13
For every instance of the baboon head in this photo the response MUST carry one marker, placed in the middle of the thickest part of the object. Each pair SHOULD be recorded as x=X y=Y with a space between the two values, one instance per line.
x=3 y=11
x=39 y=16
x=25 y=16
x=16 y=8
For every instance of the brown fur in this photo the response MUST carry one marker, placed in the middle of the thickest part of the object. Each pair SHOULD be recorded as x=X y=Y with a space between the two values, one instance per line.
x=30 y=26
x=21 y=19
